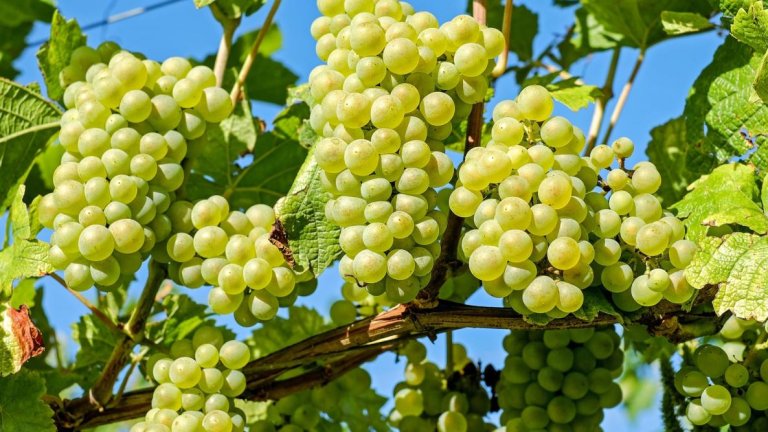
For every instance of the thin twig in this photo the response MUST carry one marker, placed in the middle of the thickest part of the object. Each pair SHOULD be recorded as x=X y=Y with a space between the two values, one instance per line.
x=94 y=310
x=562 y=73
x=506 y=29
x=623 y=96
x=228 y=27
x=597 y=117
x=238 y=88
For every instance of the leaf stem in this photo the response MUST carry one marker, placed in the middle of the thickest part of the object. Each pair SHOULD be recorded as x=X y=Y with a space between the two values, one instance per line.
x=624 y=96
x=238 y=88
x=597 y=116
x=228 y=26
x=506 y=28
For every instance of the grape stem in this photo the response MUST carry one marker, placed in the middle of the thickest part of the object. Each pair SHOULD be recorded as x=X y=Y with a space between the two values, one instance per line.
x=624 y=96
x=238 y=87
x=506 y=28
x=76 y=411
x=228 y=26
x=101 y=316
x=597 y=116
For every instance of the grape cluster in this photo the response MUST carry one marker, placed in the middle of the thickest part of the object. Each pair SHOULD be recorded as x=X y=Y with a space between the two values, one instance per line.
x=393 y=86
x=319 y=410
x=125 y=134
x=542 y=229
x=721 y=389
x=431 y=400
x=559 y=379
x=197 y=385
x=231 y=251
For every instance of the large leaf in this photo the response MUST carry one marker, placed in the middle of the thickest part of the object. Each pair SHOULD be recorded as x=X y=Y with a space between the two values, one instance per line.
x=14 y=13
x=27 y=123
x=21 y=404
x=12 y=43
x=737 y=263
x=670 y=152
x=54 y=55
x=313 y=240
x=677 y=23
x=23 y=259
x=640 y=21
x=750 y=26
x=727 y=196
x=525 y=26
x=589 y=36
x=720 y=118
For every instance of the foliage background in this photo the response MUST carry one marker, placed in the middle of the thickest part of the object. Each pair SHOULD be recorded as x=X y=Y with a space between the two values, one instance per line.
x=179 y=29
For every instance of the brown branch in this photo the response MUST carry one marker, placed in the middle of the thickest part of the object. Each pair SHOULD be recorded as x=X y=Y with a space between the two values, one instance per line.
x=597 y=116
x=246 y=69
x=349 y=346
x=624 y=96
x=506 y=28
x=100 y=394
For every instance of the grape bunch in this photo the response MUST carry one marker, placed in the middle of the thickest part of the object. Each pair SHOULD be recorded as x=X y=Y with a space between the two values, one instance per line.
x=393 y=86
x=721 y=389
x=322 y=409
x=197 y=385
x=559 y=379
x=431 y=400
x=126 y=131
x=546 y=225
x=232 y=252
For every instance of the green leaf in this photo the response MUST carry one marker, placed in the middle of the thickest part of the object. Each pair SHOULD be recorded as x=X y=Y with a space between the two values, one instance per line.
x=525 y=26
x=21 y=404
x=96 y=342
x=568 y=91
x=764 y=193
x=20 y=217
x=301 y=323
x=27 y=124
x=751 y=26
x=12 y=44
x=313 y=240
x=459 y=287
x=670 y=152
x=15 y=13
x=737 y=263
x=23 y=259
x=40 y=178
x=234 y=8
x=589 y=37
x=730 y=8
x=761 y=80
x=720 y=118
x=677 y=23
x=595 y=303
x=54 y=54
x=182 y=316
x=728 y=190
x=23 y=294
x=639 y=21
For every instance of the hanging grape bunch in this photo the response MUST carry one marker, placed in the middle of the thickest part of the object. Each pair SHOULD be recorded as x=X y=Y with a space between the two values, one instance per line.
x=394 y=85
x=232 y=252
x=197 y=385
x=557 y=379
x=431 y=400
x=541 y=230
x=125 y=134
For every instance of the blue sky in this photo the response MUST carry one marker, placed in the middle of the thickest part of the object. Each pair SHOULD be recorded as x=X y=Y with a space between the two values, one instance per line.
x=181 y=30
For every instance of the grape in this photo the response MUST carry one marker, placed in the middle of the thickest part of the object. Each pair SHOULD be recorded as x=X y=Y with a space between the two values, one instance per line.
x=716 y=399
x=711 y=360
x=541 y=295
x=487 y=263
x=642 y=294
x=535 y=103
x=617 y=277
x=563 y=253
x=96 y=243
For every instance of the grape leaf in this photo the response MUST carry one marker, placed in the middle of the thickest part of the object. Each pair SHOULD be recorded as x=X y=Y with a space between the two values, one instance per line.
x=677 y=23
x=234 y=8
x=96 y=342
x=750 y=26
x=720 y=118
x=54 y=54
x=21 y=404
x=761 y=79
x=595 y=303
x=730 y=8
x=15 y=13
x=28 y=123
x=764 y=193
x=670 y=152
x=12 y=44
x=589 y=36
x=640 y=20
x=729 y=190
x=22 y=259
x=313 y=240
x=182 y=317
x=568 y=91
x=23 y=294
x=737 y=263
x=525 y=26
x=301 y=323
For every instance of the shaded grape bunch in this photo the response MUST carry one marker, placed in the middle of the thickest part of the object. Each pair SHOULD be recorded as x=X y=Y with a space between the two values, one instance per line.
x=197 y=385
x=547 y=223
x=394 y=85
x=127 y=129
x=556 y=379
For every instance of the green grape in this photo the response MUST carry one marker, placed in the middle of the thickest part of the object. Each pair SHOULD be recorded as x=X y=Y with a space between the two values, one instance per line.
x=234 y=354
x=77 y=275
x=437 y=108
x=557 y=132
x=736 y=375
x=623 y=147
x=409 y=402
x=519 y=275
x=642 y=294
x=166 y=114
x=646 y=179
x=471 y=59
x=234 y=383
x=563 y=253
x=653 y=239
x=647 y=208
x=210 y=241
x=515 y=245
x=617 y=277
x=716 y=399
x=180 y=247
x=541 y=295
x=370 y=266
x=555 y=191
x=711 y=360
x=535 y=103
x=693 y=383
x=658 y=280
x=217 y=421
x=601 y=156
x=231 y=279
x=135 y=106
x=543 y=221
x=681 y=253
x=452 y=421
x=166 y=396
x=96 y=243
x=400 y=264
x=607 y=252
x=184 y=372
x=570 y=297
x=487 y=263
x=222 y=302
